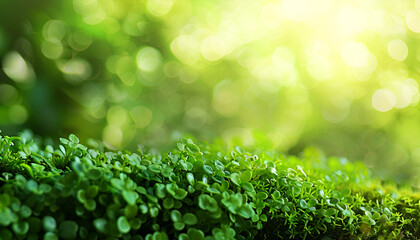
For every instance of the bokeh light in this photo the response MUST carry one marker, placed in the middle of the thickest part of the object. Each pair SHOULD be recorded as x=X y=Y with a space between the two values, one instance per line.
x=342 y=76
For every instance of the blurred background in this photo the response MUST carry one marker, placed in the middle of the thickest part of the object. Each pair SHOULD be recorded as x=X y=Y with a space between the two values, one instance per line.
x=342 y=76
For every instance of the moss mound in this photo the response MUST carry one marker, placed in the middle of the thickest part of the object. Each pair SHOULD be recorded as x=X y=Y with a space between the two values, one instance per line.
x=193 y=192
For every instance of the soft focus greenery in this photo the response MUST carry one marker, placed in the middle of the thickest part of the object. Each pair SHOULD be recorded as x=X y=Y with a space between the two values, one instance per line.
x=339 y=75
x=194 y=192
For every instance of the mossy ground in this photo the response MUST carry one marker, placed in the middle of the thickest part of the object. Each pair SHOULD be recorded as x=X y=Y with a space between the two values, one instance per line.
x=193 y=192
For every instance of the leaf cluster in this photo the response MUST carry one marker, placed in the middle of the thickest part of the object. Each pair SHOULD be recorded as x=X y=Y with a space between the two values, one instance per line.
x=193 y=192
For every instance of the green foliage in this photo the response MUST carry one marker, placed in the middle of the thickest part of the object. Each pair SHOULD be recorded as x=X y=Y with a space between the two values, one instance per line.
x=193 y=192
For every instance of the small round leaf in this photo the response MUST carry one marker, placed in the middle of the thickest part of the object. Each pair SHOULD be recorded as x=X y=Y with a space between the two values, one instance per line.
x=49 y=223
x=68 y=230
x=190 y=219
x=123 y=225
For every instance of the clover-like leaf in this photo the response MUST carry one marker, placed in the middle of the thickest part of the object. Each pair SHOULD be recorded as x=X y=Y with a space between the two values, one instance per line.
x=195 y=234
x=190 y=219
x=183 y=236
x=25 y=211
x=20 y=228
x=50 y=236
x=176 y=215
x=130 y=196
x=68 y=230
x=246 y=211
x=179 y=226
x=262 y=195
x=208 y=169
x=94 y=174
x=234 y=177
x=208 y=203
x=190 y=178
x=123 y=225
x=346 y=213
x=303 y=204
x=248 y=187
x=192 y=148
x=73 y=138
x=334 y=200
x=49 y=223
x=245 y=176
x=100 y=224
x=168 y=203
x=175 y=191
x=330 y=212
x=160 y=190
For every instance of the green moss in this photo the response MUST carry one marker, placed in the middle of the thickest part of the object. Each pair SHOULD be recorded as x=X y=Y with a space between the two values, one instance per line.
x=194 y=192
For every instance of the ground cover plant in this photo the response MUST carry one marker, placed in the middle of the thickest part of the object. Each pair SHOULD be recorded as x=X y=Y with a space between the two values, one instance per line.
x=196 y=191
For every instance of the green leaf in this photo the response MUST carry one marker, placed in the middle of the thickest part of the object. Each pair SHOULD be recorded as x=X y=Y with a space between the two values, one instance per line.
x=347 y=213
x=334 y=200
x=176 y=216
x=234 y=177
x=285 y=208
x=123 y=225
x=263 y=218
x=183 y=236
x=208 y=203
x=312 y=202
x=94 y=174
x=92 y=191
x=276 y=195
x=81 y=195
x=248 y=187
x=177 y=193
x=330 y=212
x=32 y=186
x=179 y=226
x=130 y=196
x=68 y=230
x=49 y=223
x=246 y=211
x=25 y=211
x=100 y=224
x=190 y=178
x=20 y=228
x=262 y=195
x=181 y=146
x=28 y=169
x=160 y=236
x=160 y=190
x=301 y=170
x=345 y=192
x=135 y=223
x=50 y=236
x=194 y=149
x=64 y=141
x=195 y=234
x=232 y=202
x=154 y=212
x=117 y=183
x=37 y=167
x=90 y=204
x=213 y=190
x=209 y=170
x=168 y=203
x=190 y=219
x=303 y=204
x=73 y=138
x=246 y=176
x=130 y=211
